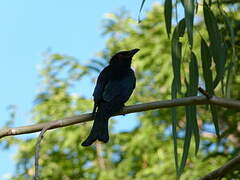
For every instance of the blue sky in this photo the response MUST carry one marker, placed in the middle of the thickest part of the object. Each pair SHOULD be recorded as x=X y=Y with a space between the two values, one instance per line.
x=28 y=29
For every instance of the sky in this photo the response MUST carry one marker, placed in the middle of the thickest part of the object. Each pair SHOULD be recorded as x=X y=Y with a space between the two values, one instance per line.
x=28 y=29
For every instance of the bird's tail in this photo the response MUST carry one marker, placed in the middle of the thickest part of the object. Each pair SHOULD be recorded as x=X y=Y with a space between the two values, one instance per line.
x=99 y=129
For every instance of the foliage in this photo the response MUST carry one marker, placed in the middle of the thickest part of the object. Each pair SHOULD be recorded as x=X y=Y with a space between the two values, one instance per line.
x=145 y=152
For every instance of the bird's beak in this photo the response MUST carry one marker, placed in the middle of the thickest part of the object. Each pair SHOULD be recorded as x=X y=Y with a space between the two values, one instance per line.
x=133 y=52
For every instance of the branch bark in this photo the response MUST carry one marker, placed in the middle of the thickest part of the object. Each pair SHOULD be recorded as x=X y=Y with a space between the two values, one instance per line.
x=197 y=100
x=225 y=169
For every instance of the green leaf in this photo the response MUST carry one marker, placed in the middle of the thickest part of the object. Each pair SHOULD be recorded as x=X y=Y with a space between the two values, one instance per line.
x=217 y=46
x=207 y=75
x=193 y=75
x=168 y=16
x=193 y=90
x=191 y=113
x=187 y=140
x=177 y=53
x=193 y=117
x=176 y=84
x=231 y=68
x=189 y=6
x=215 y=119
x=209 y=2
x=206 y=66
x=139 y=20
x=174 y=125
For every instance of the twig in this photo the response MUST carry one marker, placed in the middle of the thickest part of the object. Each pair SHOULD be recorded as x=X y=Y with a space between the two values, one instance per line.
x=205 y=93
x=225 y=169
x=196 y=100
x=38 y=147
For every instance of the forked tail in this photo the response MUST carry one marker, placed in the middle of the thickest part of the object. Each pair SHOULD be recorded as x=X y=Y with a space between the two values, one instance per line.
x=99 y=129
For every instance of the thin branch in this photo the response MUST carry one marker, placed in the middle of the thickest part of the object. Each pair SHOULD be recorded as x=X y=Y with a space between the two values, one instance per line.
x=225 y=169
x=197 y=100
x=38 y=147
x=205 y=93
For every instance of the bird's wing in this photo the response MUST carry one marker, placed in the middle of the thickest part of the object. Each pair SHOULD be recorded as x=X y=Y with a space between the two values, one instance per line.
x=102 y=80
x=120 y=89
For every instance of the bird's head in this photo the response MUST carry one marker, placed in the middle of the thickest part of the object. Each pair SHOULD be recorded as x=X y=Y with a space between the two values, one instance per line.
x=123 y=58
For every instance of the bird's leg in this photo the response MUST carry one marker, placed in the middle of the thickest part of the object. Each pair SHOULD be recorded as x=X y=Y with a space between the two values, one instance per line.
x=94 y=110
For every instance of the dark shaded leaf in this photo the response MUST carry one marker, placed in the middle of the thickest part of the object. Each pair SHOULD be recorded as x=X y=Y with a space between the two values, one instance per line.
x=174 y=125
x=193 y=76
x=193 y=90
x=217 y=46
x=168 y=16
x=139 y=20
x=206 y=66
x=197 y=7
x=177 y=53
x=215 y=119
x=189 y=6
x=176 y=84
x=187 y=140
x=193 y=117
x=207 y=74
x=191 y=113
x=231 y=68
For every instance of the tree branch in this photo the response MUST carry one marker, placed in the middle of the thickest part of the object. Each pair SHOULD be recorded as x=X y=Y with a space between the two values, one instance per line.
x=38 y=146
x=225 y=169
x=197 y=100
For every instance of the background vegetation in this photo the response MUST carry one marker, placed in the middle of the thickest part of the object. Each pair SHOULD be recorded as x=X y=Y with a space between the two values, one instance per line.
x=146 y=152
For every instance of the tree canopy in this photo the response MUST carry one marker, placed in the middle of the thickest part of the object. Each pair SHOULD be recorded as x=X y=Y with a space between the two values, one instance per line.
x=176 y=57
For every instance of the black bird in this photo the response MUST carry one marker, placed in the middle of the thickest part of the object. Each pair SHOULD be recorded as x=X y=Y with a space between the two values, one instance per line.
x=115 y=85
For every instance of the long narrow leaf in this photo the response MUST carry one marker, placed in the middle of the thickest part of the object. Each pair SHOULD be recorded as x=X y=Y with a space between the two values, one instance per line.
x=139 y=20
x=215 y=119
x=174 y=126
x=231 y=69
x=207 y=75
x=191 y=113
x=193 y=75
x=189 y=6
x=177 y=53
x=193 y=90
x=206 y=66
x=168 y=16
x=187 y=140
x=193 y=117
x=176 y=85
x=218 y=47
